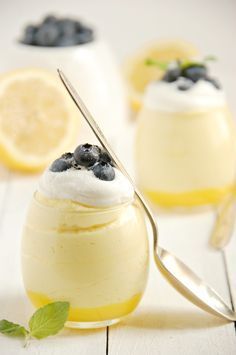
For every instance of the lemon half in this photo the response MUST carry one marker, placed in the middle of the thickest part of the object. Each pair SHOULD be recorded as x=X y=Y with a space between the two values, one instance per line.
x=38 y=120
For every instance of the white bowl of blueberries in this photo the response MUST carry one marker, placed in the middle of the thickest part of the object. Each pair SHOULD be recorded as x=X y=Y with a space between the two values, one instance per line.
x=69 y=44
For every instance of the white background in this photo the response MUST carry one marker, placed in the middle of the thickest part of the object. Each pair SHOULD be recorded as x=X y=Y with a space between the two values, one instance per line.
x=129 y=24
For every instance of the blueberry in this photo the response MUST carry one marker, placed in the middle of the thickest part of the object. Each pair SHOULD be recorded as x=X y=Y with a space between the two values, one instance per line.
x=103 y=171
x=47 y=35
x=75 y=165
x=52 y=32
x=67 y=156
x=60 y=165
x=195 y=72
x=29 y=34
x=31 y=29
x=105 y=157
x=184 y=84
x=172 y=75
x=86 y=154
x=214 y=82
x=79 y=26
x=65 y=41
x=49 y=19
x=84 y=36
x=67 y=27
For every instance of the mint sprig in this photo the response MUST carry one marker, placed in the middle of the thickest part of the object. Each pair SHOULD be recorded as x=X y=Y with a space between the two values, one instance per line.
x=152 y=62
x=164 y=65
x=210 y=58
x=12 y=329
x=46 y=321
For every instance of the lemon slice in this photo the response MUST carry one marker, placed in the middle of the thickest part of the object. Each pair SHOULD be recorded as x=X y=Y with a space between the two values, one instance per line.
x=38 y=120
x=138 y=74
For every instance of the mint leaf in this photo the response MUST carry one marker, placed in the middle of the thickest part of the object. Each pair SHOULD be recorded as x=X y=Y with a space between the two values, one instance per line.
x=12 y=329
x=49 y=320
x=209 y=58
x=187 y=64
x=153 y=62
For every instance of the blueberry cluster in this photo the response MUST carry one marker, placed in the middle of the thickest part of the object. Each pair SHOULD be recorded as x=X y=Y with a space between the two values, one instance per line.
x=57 y=32
x=87 y=156
x=189 y=74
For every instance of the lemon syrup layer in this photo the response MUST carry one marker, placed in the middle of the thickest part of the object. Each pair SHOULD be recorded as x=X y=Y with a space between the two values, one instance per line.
x=95 y=314
x=189 y=199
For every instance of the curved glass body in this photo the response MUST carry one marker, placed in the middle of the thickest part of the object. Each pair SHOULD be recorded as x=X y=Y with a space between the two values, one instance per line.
x=185 y=159
x=96 y=259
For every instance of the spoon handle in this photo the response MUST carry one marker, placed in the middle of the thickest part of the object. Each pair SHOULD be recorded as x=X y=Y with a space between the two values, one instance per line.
x=104 y=143
x=224 y=225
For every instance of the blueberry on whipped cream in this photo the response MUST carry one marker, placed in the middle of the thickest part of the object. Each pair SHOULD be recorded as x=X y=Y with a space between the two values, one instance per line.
x=87 y=176
x=172 y=74
x=86 y=156
x=184 y=86
x=53 y=31
x=60 y=165
x=188 y=74
x=104 y=171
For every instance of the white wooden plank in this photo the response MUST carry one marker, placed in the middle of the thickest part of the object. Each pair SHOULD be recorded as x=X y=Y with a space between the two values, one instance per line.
x=13 y=302
x=4 y=182
x=230 y=259
x=165 y=323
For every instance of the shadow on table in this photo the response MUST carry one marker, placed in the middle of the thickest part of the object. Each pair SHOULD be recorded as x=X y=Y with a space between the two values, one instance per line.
x=173 y=320
x=18 y=309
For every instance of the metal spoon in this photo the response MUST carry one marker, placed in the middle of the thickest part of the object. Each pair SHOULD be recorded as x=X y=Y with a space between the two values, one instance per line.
x=224 y=224
x=184 y=280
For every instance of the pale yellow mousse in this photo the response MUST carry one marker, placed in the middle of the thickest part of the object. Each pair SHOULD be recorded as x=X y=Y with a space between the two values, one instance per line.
x=185 y=151
x=94 y=257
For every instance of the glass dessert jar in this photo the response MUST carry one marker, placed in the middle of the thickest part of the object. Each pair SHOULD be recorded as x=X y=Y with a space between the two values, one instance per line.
x=70 y=45
x=185 y=144
x=96 y=258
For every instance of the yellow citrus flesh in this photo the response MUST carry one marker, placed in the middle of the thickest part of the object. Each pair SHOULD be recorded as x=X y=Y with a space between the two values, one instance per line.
x=138 y=74
x=87 y=314
x=38 y=120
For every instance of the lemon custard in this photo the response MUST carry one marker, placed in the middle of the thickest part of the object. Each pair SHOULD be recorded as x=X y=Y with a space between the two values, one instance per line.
x=85 y=240
x=185 y=143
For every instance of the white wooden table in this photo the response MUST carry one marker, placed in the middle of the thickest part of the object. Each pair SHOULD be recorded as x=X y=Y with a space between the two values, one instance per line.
x=164 y=323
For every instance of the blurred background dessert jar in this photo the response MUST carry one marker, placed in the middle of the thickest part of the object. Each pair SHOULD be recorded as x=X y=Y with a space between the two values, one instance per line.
x=88 y=61
x=185 y=139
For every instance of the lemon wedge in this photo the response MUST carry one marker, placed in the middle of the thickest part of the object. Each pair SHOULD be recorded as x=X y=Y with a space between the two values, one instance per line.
x=138 y=74
x=38 y=120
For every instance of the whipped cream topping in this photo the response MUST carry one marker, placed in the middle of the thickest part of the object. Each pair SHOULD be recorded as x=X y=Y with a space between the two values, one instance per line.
x=82 y=186
x=167 y=97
